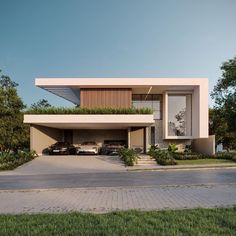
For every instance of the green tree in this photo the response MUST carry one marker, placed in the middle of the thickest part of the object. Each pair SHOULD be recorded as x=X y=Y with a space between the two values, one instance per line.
x=42 y=103
x=224 y=113
x=13 y=133
x=218 y=126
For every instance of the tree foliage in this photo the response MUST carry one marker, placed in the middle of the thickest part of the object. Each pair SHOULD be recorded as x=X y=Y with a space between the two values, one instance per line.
x=42 y=103
x=13 y=133
x=223 y=117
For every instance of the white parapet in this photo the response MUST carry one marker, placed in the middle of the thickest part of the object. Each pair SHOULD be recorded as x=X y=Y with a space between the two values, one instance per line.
x=90 y=121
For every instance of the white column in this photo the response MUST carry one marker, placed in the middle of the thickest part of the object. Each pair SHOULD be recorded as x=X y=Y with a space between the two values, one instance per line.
x=128 y=137
x=147 y=138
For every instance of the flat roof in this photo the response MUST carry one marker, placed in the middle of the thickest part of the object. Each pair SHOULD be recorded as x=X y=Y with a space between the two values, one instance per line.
x=123 y=82
x=68 y=88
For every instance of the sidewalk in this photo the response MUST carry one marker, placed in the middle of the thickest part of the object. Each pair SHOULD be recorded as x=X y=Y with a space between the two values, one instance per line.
x=106 y=199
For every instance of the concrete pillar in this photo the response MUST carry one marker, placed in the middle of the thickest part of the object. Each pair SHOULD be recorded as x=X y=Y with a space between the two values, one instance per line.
x=147 y=144
x=129 y=130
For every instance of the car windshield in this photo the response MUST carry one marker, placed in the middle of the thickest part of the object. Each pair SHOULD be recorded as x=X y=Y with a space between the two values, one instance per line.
x=89 y=143
x=114 y=142
x=61 y=144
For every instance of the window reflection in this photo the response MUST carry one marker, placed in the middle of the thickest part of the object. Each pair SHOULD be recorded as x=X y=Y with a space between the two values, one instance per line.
x=152 y=101
x=179 y=115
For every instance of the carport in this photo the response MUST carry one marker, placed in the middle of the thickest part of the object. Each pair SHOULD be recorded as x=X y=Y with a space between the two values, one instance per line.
x=48 y=129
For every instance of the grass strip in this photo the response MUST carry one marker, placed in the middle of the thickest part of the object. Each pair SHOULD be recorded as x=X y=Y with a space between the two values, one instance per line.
x=218 y=221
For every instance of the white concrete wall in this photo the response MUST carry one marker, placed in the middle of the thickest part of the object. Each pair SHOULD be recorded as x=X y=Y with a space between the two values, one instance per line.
x=116 y=82
x=200 y=112
x=93 y=121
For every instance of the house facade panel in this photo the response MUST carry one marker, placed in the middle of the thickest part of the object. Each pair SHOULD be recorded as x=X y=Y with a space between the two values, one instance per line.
x=105 y=97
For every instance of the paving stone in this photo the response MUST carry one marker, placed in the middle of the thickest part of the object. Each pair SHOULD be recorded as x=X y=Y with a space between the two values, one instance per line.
x=106 y=199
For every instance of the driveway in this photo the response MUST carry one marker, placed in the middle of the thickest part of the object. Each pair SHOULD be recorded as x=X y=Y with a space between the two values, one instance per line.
x=68 y=165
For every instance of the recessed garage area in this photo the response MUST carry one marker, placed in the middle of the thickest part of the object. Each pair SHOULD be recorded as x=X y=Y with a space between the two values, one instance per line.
x=42 y=137
x=130 y=130
x=99 y=136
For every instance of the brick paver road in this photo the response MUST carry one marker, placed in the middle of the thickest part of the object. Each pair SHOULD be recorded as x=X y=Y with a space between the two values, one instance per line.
x=103 y=192
x=104 y=199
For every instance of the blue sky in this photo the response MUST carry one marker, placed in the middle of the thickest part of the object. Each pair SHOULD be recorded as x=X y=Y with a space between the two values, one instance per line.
x=113 y=38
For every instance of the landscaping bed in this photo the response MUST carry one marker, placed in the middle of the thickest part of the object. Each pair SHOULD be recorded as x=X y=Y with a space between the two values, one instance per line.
x=219 y=221
x=170 y=156
x=80 y=110
x=11 y=160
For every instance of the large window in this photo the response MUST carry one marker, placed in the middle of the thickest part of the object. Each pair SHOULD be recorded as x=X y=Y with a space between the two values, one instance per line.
x=152 y=101
x=179 y=115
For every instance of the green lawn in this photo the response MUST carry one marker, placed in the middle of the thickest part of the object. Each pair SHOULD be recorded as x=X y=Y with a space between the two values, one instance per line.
x=219 y=221
x=204 y=161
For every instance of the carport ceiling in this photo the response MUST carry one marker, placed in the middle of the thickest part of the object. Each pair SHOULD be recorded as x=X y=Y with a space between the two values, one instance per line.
x=92 y=126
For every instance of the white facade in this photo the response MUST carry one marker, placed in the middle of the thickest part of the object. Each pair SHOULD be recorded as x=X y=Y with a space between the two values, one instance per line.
x=192 y=125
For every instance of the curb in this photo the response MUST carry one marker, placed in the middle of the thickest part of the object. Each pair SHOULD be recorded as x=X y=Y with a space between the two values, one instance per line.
x=183 y=168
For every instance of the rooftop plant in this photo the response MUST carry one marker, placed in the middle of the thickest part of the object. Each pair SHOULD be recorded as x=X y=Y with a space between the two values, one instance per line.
x=79 y=110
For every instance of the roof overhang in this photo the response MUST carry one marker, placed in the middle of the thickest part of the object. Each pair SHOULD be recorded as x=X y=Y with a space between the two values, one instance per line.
x=69 y=93
x=68 y=88
x=94 y=121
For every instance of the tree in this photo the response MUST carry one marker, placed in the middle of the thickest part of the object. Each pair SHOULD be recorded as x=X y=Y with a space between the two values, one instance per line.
x=42 y=103
x=218 y=126
x=224 y=113
x=13 y=133
x=180 y=117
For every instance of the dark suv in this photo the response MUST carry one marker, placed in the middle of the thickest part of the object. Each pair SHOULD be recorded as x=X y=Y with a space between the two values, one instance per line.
x=62 y=148
x=112 y=147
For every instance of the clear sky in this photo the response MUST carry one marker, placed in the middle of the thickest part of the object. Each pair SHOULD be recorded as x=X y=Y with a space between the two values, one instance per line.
x=114 y=38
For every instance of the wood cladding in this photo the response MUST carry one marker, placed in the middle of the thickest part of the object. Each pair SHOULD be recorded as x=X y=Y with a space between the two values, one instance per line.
x=105 y=97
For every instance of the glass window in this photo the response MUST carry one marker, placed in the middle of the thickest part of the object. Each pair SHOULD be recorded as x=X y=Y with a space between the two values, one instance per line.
x=136 y=97
x=152 y=101
x=179 y=115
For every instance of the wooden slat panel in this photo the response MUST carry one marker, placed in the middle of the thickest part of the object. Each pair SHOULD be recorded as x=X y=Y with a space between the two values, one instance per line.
x=105 y=97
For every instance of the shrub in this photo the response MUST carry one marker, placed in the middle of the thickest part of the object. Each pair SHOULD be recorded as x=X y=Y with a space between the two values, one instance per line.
x=188 y=148
x=153 y=149
x=128 y=156
x=79 y=110
x=226 y=155
x=164 y=157
x=172 y=148
x=11 y=160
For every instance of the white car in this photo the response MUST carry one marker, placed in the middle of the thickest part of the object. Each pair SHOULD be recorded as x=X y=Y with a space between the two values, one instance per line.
x=88 y=147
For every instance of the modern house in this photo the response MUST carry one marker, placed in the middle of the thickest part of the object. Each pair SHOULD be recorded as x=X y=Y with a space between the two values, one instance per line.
x=180 y=112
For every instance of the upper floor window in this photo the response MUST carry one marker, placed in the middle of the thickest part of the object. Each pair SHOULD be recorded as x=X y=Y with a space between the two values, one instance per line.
x=179 y=115
x=152 y=101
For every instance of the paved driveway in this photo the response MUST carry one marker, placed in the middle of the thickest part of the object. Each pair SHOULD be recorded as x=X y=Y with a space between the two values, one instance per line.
x=68 y=164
